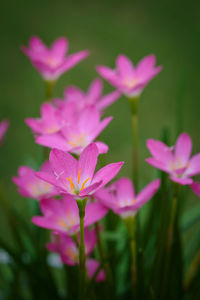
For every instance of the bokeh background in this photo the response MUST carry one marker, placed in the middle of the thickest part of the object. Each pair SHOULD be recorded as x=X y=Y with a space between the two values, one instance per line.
x=169 y=29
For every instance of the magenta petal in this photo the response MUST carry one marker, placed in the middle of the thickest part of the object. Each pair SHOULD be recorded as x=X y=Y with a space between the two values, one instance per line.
x=125 y=189
x=48 y=177
x=182 y=181
x=92 y=266
x=124 y=66
x=59 y=47
x=64 y=163
x=95 y=90
x=102 y=148
x=183 y=148
x=87 y=162
x=160 y=151
x=52 y=141
x=147 y=193
x=193 y=166
x=107 y=173
x=157 y=164
x=90 y=189
x=109 y=99
x=94 y=212
x=109 y=75
x=195 y=186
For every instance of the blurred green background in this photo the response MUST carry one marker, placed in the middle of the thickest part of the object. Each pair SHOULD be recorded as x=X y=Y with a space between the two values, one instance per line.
x=169 y=29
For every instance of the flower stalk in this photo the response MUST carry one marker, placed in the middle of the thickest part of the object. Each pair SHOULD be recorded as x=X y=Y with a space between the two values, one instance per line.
x=81 y=205
x=172 y=216
x=130 y=224
x=134 y=116
x=49 y=87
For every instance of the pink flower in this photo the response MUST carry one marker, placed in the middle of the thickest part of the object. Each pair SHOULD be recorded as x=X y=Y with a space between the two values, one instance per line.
x=31 y=186
x=78 y=133
x=67 y=248
x=175 y=160
x=50 y=121
x=52 y=62
x=195 y=186
x=69 y=253
x=77 y=177
x=121 y=197
x=128 y=79
x=63 y=215
x=3 y=128
x=93 y=97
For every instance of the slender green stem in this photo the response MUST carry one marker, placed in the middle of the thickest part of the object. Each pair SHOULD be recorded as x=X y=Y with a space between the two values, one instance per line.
x=102 y=254
x=172 y=216
x=193 y=268
x=81 y=205
x=130 y=224
x=49 y=86
x=134 y=115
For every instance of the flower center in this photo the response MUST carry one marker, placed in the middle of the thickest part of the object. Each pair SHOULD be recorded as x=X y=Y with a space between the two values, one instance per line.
x=126 y=202
x=78 y=140
x=131 y=82
x=52 y=62
x=72 y=185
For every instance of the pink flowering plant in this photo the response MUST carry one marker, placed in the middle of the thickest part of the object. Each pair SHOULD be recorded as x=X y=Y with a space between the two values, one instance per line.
x=92 y=232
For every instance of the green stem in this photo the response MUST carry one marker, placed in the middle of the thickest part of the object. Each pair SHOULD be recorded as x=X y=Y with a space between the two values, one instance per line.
x=134 y=112
x=172 y=217
x=49 y=86
x=103 y=255
x=130 y=224
x=81 y=205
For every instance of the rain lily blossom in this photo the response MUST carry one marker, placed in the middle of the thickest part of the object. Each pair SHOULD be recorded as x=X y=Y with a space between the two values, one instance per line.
x=68 y=250
x=50 y=121
x=175 y=160
x=62 y=215
x=3 y=128
x=78 y=133
x=52 y=62
x=121 y=198
x=93 y=97
x=128 y=79
x=31 y=186
x=76 y=177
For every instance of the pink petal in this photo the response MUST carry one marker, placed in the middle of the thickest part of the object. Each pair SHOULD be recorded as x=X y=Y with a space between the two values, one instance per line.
x=183 y=148
x=72 y=60
x=93 y=213
x=124 y=189
x=102 y=148
x=52 y=141
x=125 y=66
x=108 y=99
x=106 y=198
x=64 y=163
x=109 y=75
x=92 y=266
x=195 y=186
x=95 y=90
x=147 y=193
x=90 y=189
x=107 y=173
x=182 y=181
x=59 y=47
x=193 y=166
x=160 y=151
x=37 y=45
x=157 y=164
x=100 y=127
x=87 y=162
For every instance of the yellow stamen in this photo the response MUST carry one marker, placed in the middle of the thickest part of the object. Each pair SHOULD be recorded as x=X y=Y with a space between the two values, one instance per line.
x=62 y=223
x=83 y=185
x=79 y=174
x=71 y=184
